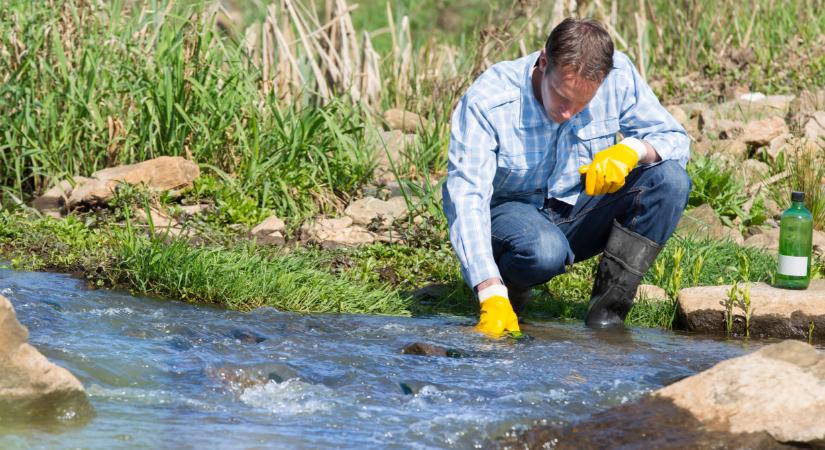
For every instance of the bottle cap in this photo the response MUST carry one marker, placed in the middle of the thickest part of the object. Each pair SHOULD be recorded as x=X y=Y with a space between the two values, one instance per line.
x=797 y=196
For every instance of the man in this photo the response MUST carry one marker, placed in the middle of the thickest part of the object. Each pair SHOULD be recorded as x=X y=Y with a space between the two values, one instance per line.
x=537 y=180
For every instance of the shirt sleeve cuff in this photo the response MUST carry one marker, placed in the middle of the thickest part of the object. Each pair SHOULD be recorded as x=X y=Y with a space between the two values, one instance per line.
x=482 y=270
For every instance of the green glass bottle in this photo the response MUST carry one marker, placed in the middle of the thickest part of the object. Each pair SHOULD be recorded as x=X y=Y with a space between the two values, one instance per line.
x=796 y=230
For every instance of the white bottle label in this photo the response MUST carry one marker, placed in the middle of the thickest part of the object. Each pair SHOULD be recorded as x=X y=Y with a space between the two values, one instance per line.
x=795 y=266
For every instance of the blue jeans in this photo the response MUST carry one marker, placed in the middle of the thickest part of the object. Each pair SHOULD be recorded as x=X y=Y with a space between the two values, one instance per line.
x=531 y=245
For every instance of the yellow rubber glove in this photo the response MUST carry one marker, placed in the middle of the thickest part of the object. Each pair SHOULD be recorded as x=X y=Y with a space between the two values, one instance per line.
x=497 y=317
x=606 y=173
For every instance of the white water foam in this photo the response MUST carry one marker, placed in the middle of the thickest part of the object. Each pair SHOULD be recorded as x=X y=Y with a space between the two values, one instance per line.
x=291 y=397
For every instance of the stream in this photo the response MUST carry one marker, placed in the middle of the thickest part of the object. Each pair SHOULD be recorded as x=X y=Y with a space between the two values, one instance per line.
x=167 y=374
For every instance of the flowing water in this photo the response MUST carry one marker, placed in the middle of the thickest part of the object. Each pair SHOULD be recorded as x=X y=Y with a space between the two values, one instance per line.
x=165 y=374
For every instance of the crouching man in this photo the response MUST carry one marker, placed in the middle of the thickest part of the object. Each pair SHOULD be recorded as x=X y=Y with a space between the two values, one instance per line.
x=537 y=179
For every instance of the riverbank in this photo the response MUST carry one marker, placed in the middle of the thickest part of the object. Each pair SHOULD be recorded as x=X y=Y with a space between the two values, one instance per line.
x=228 y=269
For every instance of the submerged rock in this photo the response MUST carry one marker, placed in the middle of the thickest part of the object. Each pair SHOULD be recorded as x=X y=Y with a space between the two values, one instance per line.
x=31 y=387
x=771 y=399
x=247 y=337
x=422 y=349
x=775 y=312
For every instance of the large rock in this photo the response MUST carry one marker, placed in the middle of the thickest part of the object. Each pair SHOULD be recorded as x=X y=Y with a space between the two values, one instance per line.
x=815 y=128
x=753 y=170
x=650 y=292
x=31 y=387
x=56 y=198
x=760 y=132
x=270 y=231
x=779 y=389
x=769 y=240
x=811 y=101
x=736 y=149
x=164 y=173
x=773 y=398
x=92 y=193
x=367 y=210
x=703 y=222
x=776 y=312
x=406 y=121
x=336 y=233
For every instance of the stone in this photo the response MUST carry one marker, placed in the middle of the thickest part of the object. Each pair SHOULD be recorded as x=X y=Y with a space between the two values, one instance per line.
x=728 y=129
x=270 y=225
x=391 y=146
x=32 y=387
x=650 y=292
x=422 y=349
x=336 y=233
x=679 y=114
x=406 y=121
x=815 y=129
x=188 y=211
x=367 y=210
x=736 y=149
x=778 y=389
x=753 y=170
x=752 y=97
x=760 y=132
x=776 y=313
x=92 y=193
x=160 y=220
x=811 y=101
x=56 y=198
x=164 y=173
x=700 y=222
x=246 y=336
x=777 y=146
x=270 y=232
x=769 y=240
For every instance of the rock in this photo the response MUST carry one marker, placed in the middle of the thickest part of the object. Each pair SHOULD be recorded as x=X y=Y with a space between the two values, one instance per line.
x=188 y=211
x=433 y=291
x=760 y=132
x=776 y=312
x=247 y=337
x=160 y=220
x=31 y=387
x=239 y=378
x=736 y=149
x=422 y=349
x=779 y=389
x=369 y=209
x=650 y=292
x=778 y=145
x=702 y=222
x=769 y=240
x=336 y=233
x=811 y=101
x=752 y=97
x=391 y=147
x=406 y=121
x=164 y=173
x=57 y=197
x=753 y=170
x=728 y=129
x=815 y=129
x=270 y=231
x=92 y=193
x=678 y=113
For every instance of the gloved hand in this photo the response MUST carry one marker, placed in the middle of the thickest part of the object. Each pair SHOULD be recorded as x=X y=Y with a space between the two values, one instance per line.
x=497 y=316
x=606 y=173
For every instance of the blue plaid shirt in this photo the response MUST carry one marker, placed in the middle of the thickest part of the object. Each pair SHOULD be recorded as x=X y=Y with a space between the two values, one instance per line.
x=503 y=146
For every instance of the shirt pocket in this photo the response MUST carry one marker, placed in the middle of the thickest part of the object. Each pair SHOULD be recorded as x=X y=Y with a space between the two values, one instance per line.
x=596 y=136
x=516 y=172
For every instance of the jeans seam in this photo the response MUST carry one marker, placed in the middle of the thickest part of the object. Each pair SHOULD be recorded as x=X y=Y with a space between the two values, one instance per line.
x=637 y=208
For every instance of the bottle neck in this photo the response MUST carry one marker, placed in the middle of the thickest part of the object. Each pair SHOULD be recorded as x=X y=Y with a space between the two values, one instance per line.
x=798 y=205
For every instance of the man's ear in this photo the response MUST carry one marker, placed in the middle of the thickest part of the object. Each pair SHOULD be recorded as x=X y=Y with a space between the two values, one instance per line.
x=542 y=61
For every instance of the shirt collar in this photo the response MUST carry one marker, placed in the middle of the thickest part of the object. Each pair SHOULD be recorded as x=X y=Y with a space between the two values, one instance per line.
x=532 y=112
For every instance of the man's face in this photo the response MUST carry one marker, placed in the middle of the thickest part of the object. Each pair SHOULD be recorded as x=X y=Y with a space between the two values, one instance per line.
x=564 y=94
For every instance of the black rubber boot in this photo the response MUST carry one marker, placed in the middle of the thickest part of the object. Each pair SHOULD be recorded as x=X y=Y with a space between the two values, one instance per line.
x=519 y=298
x=626 y=258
